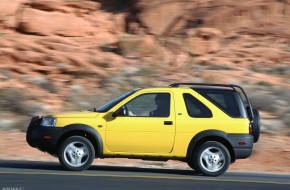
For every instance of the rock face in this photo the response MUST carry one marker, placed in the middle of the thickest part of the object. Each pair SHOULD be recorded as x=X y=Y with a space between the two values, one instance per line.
x=111 y=46
x=203 y=40
x=65 y=6
x=48 y=23
x=8 y=8
x=162 y=17
x=138 y=46
x=8 y=11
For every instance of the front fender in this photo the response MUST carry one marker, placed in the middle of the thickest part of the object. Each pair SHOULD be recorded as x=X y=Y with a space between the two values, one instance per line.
x=86 y=131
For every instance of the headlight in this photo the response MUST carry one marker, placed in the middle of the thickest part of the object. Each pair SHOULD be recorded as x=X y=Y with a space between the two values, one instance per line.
x=48 y=122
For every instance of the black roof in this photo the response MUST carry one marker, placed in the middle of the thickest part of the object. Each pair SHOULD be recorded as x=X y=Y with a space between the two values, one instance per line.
x=224 y=89
x=206 y=86
x=215 y=87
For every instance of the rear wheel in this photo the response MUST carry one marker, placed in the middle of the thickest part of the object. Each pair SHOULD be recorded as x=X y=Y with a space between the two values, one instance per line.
x=76 y=153
x=211 y=159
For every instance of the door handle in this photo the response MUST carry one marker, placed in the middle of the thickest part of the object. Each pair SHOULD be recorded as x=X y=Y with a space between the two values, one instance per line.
x=168 y=123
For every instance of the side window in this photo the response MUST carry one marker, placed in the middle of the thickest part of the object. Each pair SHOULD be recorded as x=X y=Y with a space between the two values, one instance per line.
x=149 y=105
x=195 y=108
x=226 y=101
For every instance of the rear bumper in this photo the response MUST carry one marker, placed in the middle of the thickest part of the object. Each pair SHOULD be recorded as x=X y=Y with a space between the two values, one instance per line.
x=242 y=145
x=43 y=138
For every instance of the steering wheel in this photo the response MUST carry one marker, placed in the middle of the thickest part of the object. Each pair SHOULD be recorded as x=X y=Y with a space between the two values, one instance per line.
x=127 y=112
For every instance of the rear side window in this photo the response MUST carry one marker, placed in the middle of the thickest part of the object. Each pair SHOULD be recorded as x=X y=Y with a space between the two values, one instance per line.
x=225 y=100
x=195 y=108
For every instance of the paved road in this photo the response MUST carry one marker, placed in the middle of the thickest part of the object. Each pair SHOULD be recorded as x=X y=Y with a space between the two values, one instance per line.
x=27 y=175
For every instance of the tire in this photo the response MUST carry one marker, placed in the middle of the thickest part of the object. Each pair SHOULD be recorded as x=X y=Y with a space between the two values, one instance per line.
x=211 y=159
x=76 y=153
x=191 y=164
x=256 y=125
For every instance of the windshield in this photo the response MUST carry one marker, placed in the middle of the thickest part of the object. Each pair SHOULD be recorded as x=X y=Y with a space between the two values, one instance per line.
x=114 y=102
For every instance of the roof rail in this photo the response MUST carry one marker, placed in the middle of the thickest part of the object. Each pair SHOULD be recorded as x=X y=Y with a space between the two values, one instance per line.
x=203 y=84
x=233 y=86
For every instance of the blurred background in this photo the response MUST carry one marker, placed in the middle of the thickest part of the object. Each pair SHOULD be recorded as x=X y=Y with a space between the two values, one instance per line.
x=69 y=55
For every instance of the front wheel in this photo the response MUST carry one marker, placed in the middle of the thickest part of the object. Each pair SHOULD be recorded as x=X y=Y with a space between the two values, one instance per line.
x=212 y=159
x=76 y=153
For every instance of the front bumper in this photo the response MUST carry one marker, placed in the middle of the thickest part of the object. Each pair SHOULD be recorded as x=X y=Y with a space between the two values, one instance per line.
x=43 y=138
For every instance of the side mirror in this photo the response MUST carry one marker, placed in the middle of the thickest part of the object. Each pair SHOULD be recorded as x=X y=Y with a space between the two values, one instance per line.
x=114 y=114
x=118 y=112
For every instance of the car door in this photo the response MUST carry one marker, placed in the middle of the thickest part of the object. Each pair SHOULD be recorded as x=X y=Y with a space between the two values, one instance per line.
x=145 y=125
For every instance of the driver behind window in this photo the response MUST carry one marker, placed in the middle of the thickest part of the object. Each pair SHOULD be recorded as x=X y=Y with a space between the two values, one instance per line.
x=162 y=102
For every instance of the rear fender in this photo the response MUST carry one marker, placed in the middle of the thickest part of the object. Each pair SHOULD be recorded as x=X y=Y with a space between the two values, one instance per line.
x=209 y=135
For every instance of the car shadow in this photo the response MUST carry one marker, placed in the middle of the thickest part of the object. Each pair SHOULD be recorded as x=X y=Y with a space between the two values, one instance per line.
x=9 y=165
x=143 y=170
x=33 y=165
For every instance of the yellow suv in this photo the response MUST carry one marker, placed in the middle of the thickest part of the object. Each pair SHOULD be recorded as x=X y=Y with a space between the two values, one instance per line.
x=208 y=126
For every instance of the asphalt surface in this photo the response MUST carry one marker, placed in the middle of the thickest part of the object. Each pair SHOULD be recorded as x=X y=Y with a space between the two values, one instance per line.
x=28 y=175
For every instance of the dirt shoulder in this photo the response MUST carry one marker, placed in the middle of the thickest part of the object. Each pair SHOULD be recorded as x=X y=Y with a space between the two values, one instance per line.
x=271 y=154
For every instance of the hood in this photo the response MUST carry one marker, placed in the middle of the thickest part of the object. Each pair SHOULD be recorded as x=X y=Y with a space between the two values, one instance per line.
x=81 y=114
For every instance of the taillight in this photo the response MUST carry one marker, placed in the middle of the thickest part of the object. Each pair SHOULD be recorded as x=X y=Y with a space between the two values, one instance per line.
x=250 y=129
